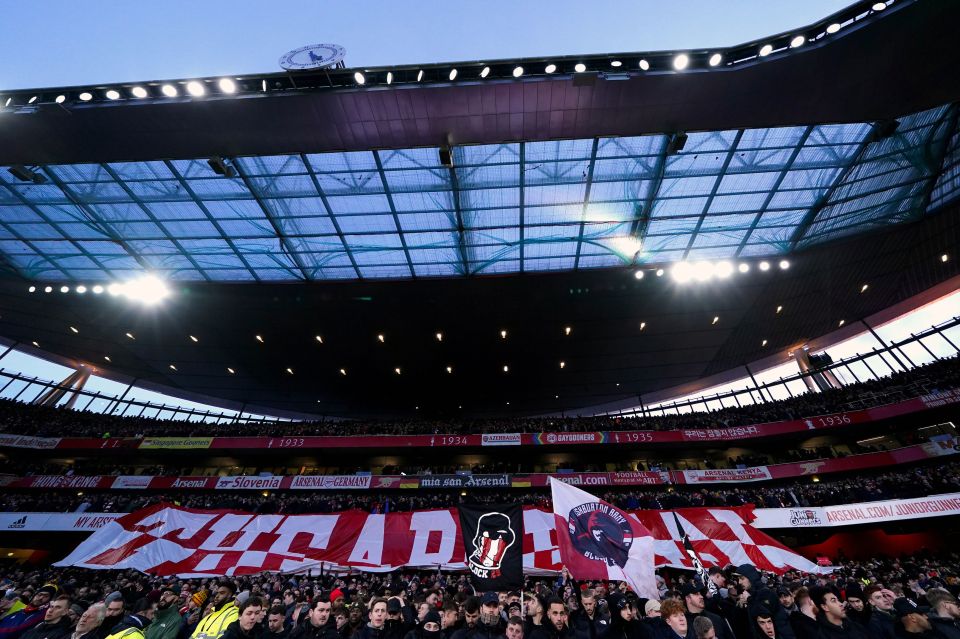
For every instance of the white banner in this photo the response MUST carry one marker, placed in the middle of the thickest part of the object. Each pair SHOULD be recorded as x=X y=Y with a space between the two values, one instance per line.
x=246 y=482
x=22 y=441
x=330 y=482
x=56 y=522
x=757 y=473
x=863 y=513
x=500 y=439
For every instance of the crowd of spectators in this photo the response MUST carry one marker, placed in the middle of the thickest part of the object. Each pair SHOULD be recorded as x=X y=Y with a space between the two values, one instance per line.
x=898 y=484
x=883 y=598
x=31 y=420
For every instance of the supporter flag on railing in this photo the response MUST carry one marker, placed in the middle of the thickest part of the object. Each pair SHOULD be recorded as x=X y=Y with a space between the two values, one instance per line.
x=698 y=566
x=493 y=546
x=600 y=541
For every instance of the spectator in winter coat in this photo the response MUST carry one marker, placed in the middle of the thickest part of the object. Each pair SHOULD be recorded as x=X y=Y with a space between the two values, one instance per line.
x=944 y=614
x=56 y=622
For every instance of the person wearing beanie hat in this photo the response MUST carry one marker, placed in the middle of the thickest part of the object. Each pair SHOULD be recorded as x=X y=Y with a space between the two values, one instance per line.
x=856 y=608
x=429 y=627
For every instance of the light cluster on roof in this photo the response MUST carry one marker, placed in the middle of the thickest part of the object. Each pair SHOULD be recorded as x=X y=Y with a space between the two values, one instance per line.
x=622 y=64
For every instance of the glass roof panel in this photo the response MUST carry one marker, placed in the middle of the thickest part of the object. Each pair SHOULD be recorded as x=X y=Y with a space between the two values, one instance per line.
x=522 y=206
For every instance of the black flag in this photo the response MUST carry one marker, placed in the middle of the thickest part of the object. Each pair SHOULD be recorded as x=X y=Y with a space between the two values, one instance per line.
x=702 y=573
x=493 y=546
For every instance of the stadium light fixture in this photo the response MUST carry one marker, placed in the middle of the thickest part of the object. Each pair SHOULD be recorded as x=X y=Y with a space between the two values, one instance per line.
x=863 y=289
x=138 y=92
x=60 y=99
x=381 y=338
x=644 y=65
x=660 y=272
x=715 y=59
x=289 y=371
x=86 y=96
x=503 y=334
x=798 y=41
x=343 y=372
x=227 y=85
x=146 y=289
x=763 y=343
x=682 y=272
x=113 y=94
x=485 y=72
x=32 y=289
x=506 y=369
x=723 y=270
x=73 y=329
x=784 y=265
x=567 y=330
x=389 y=77
x=64 y=289
x=193 y=339
x=173 y=368
x=450 y=370
x=779 y=309
x=643 y=325
x=744 y=267
x=766 y=50
x=397 y=370
x=879 y=6
x=764 y=266
x=703 y=271
x=47 y=289
x=453 y=75
x=616 y=64
x=130 y=335
x=259 y=338
x=230 y=370
x=81 y=289
x=32 y=99
x=439 y=337
x=360 y=79
x=97 y=290
x=220 y=166
x=681 y=62
x=944 y=258
x=24 y=174
x=114 y=289
x=716 y=318
x=419 y=77
x=517 y=72
x=319 y=338
x=833 y=28
x=196 y=89
x=169 y=90
x=550 y=68
x=563 y=364
x=35 y=343
x=638 y=274
x=842 y=322
x=107 y=358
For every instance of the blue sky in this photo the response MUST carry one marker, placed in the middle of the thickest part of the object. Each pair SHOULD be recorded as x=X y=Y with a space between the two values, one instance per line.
x=61 y=43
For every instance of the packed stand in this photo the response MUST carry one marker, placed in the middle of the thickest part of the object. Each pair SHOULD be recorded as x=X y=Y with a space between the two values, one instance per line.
x=909 y=598
x=900 y=484
x=24 y=419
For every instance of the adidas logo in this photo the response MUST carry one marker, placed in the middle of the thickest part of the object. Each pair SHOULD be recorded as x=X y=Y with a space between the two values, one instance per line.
x=20 y=523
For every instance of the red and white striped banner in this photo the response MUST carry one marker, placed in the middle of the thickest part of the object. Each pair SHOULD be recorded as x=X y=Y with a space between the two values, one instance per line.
x=167 y=540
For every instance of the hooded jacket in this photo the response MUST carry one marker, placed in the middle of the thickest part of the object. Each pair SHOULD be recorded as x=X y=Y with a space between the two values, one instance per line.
x=944 y=627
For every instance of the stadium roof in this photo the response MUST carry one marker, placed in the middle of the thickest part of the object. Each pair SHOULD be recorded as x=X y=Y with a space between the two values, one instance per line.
x=554 y=176
x=502 y=208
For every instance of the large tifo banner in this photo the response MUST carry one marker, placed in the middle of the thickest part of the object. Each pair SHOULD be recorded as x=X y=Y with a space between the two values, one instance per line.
x=167 y=540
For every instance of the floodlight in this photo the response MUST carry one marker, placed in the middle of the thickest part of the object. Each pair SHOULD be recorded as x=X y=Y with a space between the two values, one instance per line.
x=81 y=289
x=644 y=65
x=419 y=77
x=113 y=94
x=453 y=75
x=86 y=96
x=114 y=289
x=676 y=144
x=359 y=79
x=798 y=41
x=879 y=6
x=681 y=62
x=833 y=28
x=580 y=67
x=196 y=89
x=24 y=174
x=169 y=90
x=32 y=99
x=220 y=167
x=485 y=72
x=703 y=271
x=97 y=290
x=64 y=289
x=616 y=63
x=715 y=59
x=766 y=50
x=682 y=272
x=60 y=99
x=138 y=92
x=517 y=72
x=784 y=265
x=47 y=289
x=744 y=268
x=147 y=289
x=389 y=77
x=764 y=266
x=638 y=275
x=227 y=85
x=723 y=270
x=550 y=68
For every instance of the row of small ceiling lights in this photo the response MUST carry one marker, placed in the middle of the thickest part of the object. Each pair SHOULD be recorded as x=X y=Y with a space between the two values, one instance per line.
x=230 y=86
